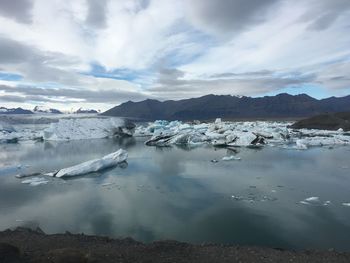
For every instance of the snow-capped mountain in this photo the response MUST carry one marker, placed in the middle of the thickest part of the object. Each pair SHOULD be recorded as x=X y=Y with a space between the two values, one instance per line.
x=43 y=109
x=4 y=110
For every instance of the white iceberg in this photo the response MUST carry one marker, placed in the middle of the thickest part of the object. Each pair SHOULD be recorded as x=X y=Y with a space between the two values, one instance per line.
x=230 y=158
x=300 y=145
x=96 y=165
x=312 y=199
x=88 y=128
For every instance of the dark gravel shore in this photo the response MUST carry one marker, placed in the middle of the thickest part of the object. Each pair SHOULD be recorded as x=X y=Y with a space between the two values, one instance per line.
x=24 y=245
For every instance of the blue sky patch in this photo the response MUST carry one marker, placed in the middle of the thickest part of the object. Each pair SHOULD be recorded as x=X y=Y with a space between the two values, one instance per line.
x=10 y=76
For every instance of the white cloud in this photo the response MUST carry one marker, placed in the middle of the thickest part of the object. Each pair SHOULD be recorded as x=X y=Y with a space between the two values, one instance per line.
x=53 y=42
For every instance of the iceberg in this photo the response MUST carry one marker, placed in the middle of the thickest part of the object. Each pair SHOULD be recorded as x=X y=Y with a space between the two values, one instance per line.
x=251 y=134
x=96 y=165
x=88 y=128
x=300 y=145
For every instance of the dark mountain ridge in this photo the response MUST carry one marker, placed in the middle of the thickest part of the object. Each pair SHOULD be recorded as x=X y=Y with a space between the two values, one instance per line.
x=231 y=107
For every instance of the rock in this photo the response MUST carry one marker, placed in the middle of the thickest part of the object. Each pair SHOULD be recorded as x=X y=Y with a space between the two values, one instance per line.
x=9 y=253
x=66 y=255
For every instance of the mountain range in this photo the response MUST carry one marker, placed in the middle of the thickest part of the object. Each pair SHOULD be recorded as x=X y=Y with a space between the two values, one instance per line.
x=44 y=110
x=85 y=111
x=231 y=107
x=4 y=110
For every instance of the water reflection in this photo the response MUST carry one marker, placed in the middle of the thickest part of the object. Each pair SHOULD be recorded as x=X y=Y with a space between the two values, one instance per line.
x=177 y=193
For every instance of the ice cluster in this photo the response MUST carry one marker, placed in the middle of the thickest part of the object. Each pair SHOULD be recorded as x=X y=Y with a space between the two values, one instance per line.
x=67 y=129
x=35 y=181
x=11 y=134
x=232 y=134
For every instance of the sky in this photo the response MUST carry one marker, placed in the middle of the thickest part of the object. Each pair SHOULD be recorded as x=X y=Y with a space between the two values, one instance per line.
x=100 y=53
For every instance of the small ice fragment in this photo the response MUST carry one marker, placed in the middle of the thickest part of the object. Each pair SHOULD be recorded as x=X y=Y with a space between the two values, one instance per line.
x=304 y=203
x=300 y=145
x=39 y=183
x=346 y=204
x=35 y=181
x=28 y=181
x=214 y=161
x=327 y=203
x=273 y=191
x=312 y=199
x=237 y=198
x=230 y=158
x=26 y=175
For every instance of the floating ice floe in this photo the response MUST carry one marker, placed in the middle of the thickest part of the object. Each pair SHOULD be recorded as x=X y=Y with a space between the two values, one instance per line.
x=253 y=198
x=20 y=133
x=96 y=165
x=88 y=128
x=238 y=134
x=314 y=200
x=346 y=204
x=24 y=175
x=35 y=181
x=230 y=158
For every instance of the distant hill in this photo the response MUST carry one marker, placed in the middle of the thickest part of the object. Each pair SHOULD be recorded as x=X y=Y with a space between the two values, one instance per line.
x=84 y=111
x=330 y=121
x=231 y=107
x=42 y=109
x=4 y=110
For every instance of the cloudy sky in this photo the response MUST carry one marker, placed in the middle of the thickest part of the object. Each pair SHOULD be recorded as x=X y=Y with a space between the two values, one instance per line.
x=100 y=53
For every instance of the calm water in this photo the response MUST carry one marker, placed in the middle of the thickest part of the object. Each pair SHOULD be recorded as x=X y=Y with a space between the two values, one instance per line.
x=177 y=193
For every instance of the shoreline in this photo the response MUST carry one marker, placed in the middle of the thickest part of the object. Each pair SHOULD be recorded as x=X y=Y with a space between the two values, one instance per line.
x=26 y=245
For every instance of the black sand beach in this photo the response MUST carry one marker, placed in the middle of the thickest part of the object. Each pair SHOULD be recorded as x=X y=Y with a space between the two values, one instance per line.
x=25 y=245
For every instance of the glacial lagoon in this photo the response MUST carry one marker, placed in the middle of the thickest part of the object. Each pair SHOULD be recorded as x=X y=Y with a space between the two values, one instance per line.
x=179 y=193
